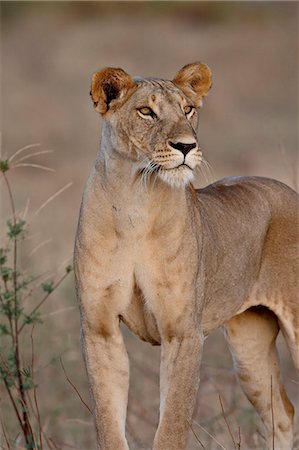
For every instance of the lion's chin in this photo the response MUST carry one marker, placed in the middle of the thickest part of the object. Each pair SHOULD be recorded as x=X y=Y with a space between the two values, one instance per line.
x=178 y=177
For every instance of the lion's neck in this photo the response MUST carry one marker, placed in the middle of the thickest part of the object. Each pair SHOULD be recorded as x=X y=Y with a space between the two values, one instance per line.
x=121 y=187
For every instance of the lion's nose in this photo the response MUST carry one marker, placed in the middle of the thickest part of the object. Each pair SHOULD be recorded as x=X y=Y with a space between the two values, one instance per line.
x=182 y=146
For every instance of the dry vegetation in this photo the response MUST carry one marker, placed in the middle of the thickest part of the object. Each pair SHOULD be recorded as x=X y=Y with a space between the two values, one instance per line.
x=248 y=126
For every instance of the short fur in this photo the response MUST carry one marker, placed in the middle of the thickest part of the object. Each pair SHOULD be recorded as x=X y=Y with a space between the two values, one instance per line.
x=174 y=263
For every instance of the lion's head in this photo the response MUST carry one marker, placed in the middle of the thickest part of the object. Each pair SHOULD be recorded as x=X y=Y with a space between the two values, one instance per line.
x=153 y=121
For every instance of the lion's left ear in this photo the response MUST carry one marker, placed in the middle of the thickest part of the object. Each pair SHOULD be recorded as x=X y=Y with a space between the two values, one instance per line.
x=195 y=80
x=110 y=86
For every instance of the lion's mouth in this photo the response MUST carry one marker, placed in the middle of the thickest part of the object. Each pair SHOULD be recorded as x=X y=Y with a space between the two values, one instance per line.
x=178 y=176
x=183 y=165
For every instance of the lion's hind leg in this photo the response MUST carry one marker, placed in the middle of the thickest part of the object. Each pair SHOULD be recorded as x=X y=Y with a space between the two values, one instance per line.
x=290 y=331
x=251 y=337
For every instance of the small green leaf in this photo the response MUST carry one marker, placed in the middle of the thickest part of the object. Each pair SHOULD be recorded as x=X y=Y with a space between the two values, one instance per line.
x=32 y=318
x=16 y=230
x=26 y=372
x=4 y=165
x=69 y=268
x=22 y=285
x=6 y=273
x=3 y=330
x=28 y=382
x=3 y=257
x=31 y=444
x=8 y=295
x=7 y=309
x=48 y=287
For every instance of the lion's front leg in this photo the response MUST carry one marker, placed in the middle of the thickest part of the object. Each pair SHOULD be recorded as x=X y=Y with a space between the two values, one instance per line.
x=103 y=296
x=108 y=371
x=176 y=306
x=179 y=379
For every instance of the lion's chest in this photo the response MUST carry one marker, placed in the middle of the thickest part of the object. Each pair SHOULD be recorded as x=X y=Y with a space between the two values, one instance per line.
x=160 y=256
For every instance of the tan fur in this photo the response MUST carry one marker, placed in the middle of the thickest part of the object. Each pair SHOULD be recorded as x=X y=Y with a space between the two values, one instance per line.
x=195 y=80
x=175 y=263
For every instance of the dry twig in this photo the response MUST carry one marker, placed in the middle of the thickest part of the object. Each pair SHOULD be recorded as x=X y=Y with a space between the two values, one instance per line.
x=227 y=424
x=272 y=413
x=74 y=387
x=209 y=434
x=34 y=390
x=196 y=437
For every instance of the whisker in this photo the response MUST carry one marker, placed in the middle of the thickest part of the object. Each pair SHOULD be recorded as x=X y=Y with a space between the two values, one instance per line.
x=137 y=170
x=147 y=171
x=205 y=170
x=156 y=175
x=210 y=168
x=202 y=173
x=155 y=169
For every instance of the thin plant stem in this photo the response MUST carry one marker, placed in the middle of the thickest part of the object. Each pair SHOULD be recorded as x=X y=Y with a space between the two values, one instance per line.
x=196 y=437
x=13 y=210
x=22 y=397
x=34 y=391
x=22 y=150
x=51 y=198
x=9 y=320
x=35 y=166
x=54 y=443
x=50 y=444
x=74 y=387
x=8 y=371
x=272 y=413
x=26 y=209
x=227 y=424
x=27 y=431
x=12 y=400
x=42 y=152
x=209 y=434
x=42 y=244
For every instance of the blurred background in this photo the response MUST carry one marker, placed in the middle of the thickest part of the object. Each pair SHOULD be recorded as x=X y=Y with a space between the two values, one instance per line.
x=248 y=126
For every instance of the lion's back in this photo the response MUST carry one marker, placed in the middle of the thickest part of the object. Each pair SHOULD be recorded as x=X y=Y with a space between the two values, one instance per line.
x=251 y=191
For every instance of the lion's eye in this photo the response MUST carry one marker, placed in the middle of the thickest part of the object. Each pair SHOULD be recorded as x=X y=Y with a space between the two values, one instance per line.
x=146 y=111
x=188 y=109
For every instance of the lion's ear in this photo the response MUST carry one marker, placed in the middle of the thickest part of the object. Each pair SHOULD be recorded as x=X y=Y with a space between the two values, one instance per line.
x=194 y=80
x=108 y=86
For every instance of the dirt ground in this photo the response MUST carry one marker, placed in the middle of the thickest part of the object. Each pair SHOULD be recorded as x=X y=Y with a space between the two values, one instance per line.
x=248 y=126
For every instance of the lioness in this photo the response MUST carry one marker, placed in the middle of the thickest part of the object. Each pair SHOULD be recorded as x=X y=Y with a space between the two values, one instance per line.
x=174 y=263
